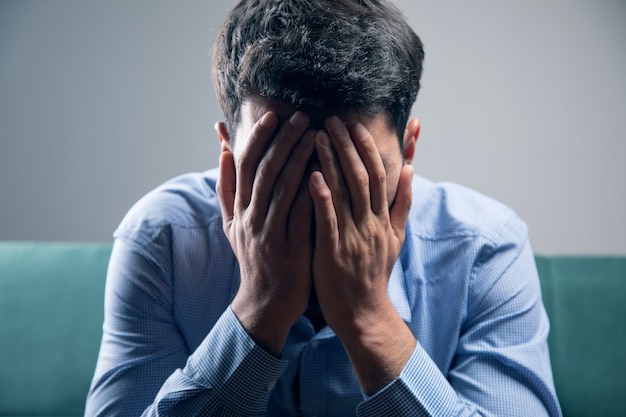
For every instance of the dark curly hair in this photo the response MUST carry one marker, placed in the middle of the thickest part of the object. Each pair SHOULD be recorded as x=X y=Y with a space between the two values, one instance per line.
x=321 y=56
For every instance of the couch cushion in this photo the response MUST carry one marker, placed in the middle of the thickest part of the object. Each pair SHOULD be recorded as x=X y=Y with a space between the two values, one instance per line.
x=586 y=300
x=51 y=313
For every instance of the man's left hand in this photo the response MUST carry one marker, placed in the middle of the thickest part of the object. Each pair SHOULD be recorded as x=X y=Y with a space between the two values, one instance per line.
x=358 y=239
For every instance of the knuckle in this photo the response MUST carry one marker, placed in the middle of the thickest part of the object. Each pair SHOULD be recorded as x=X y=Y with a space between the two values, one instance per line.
x=265 y=241
x=249 y=223
x=279 y=199
x=264 y=170
x=346 y=144
x=370 y=232
x=362 y=179
x=329 y=227
x=243 y=164
x=279 y=191
x=384 y=222
x=326 y=156
x=381 y=177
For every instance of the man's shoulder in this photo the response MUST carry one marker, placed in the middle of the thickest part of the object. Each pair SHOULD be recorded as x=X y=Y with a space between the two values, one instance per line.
x=186 y=201
x=446 y=210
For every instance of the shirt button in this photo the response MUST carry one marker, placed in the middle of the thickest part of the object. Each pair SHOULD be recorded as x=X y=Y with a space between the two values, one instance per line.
x=314 y=343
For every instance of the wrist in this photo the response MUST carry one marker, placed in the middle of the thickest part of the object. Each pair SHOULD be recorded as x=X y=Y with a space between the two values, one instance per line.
x=379 y=345
x=351 y=320
x=269 y=330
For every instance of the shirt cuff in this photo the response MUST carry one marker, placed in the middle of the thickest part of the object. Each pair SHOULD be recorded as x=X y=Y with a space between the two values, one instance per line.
x=229 y=361
x=421 y=389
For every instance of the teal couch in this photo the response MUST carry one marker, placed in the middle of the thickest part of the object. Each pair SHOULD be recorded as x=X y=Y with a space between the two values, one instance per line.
x=51 y=311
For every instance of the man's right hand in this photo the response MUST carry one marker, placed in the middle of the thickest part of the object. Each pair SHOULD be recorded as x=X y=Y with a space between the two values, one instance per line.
x=267 y=212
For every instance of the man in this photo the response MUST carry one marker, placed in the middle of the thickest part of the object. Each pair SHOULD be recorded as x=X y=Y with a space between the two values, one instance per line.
x=313 y=273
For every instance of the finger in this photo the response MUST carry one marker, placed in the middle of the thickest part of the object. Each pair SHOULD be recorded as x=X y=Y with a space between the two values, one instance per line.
x=352 y=167
x=273 y=163
x=401 y=207
x=260 y=137
x=333 y=178
x=291 y=178
x=301 y=216
x=326 y=232
x=225 y=188
x=368 y=151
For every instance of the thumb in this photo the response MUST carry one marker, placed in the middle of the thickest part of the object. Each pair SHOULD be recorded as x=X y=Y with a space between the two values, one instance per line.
x=326 y=234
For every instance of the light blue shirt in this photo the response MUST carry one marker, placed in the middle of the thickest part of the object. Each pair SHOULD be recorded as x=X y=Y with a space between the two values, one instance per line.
x=465 y=283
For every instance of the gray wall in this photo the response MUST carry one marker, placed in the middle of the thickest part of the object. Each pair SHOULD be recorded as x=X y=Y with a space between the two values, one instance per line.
x=524 y=101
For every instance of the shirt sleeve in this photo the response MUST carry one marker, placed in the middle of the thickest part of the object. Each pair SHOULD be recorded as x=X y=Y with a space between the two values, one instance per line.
x=501 y=364
x=227 y=375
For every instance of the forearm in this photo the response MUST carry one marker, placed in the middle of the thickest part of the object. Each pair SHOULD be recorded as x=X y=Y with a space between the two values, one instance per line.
x=490 y=370
x=227 y=375
x=420 y=389
x=263 y=321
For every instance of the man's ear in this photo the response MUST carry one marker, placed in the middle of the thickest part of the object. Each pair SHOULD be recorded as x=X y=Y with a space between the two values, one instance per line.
x=223 y=136
x=411 y=133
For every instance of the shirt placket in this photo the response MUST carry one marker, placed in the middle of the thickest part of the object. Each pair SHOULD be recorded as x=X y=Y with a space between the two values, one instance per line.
x=312 y=377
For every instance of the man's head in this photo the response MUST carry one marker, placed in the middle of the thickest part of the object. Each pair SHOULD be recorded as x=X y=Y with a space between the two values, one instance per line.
x=324 y=57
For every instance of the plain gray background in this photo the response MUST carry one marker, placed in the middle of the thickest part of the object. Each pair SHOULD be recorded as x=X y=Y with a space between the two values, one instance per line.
x=523 y=101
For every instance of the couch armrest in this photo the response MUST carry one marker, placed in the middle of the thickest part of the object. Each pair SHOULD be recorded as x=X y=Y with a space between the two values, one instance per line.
x=585 y=298
x=51 y=313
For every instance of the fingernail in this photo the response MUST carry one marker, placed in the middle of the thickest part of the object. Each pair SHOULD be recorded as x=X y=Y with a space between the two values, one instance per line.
x=334 y=123
x=318 y=178
x=266 y=119
x=360 y=131
x=298 y=119
x=323 y=138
